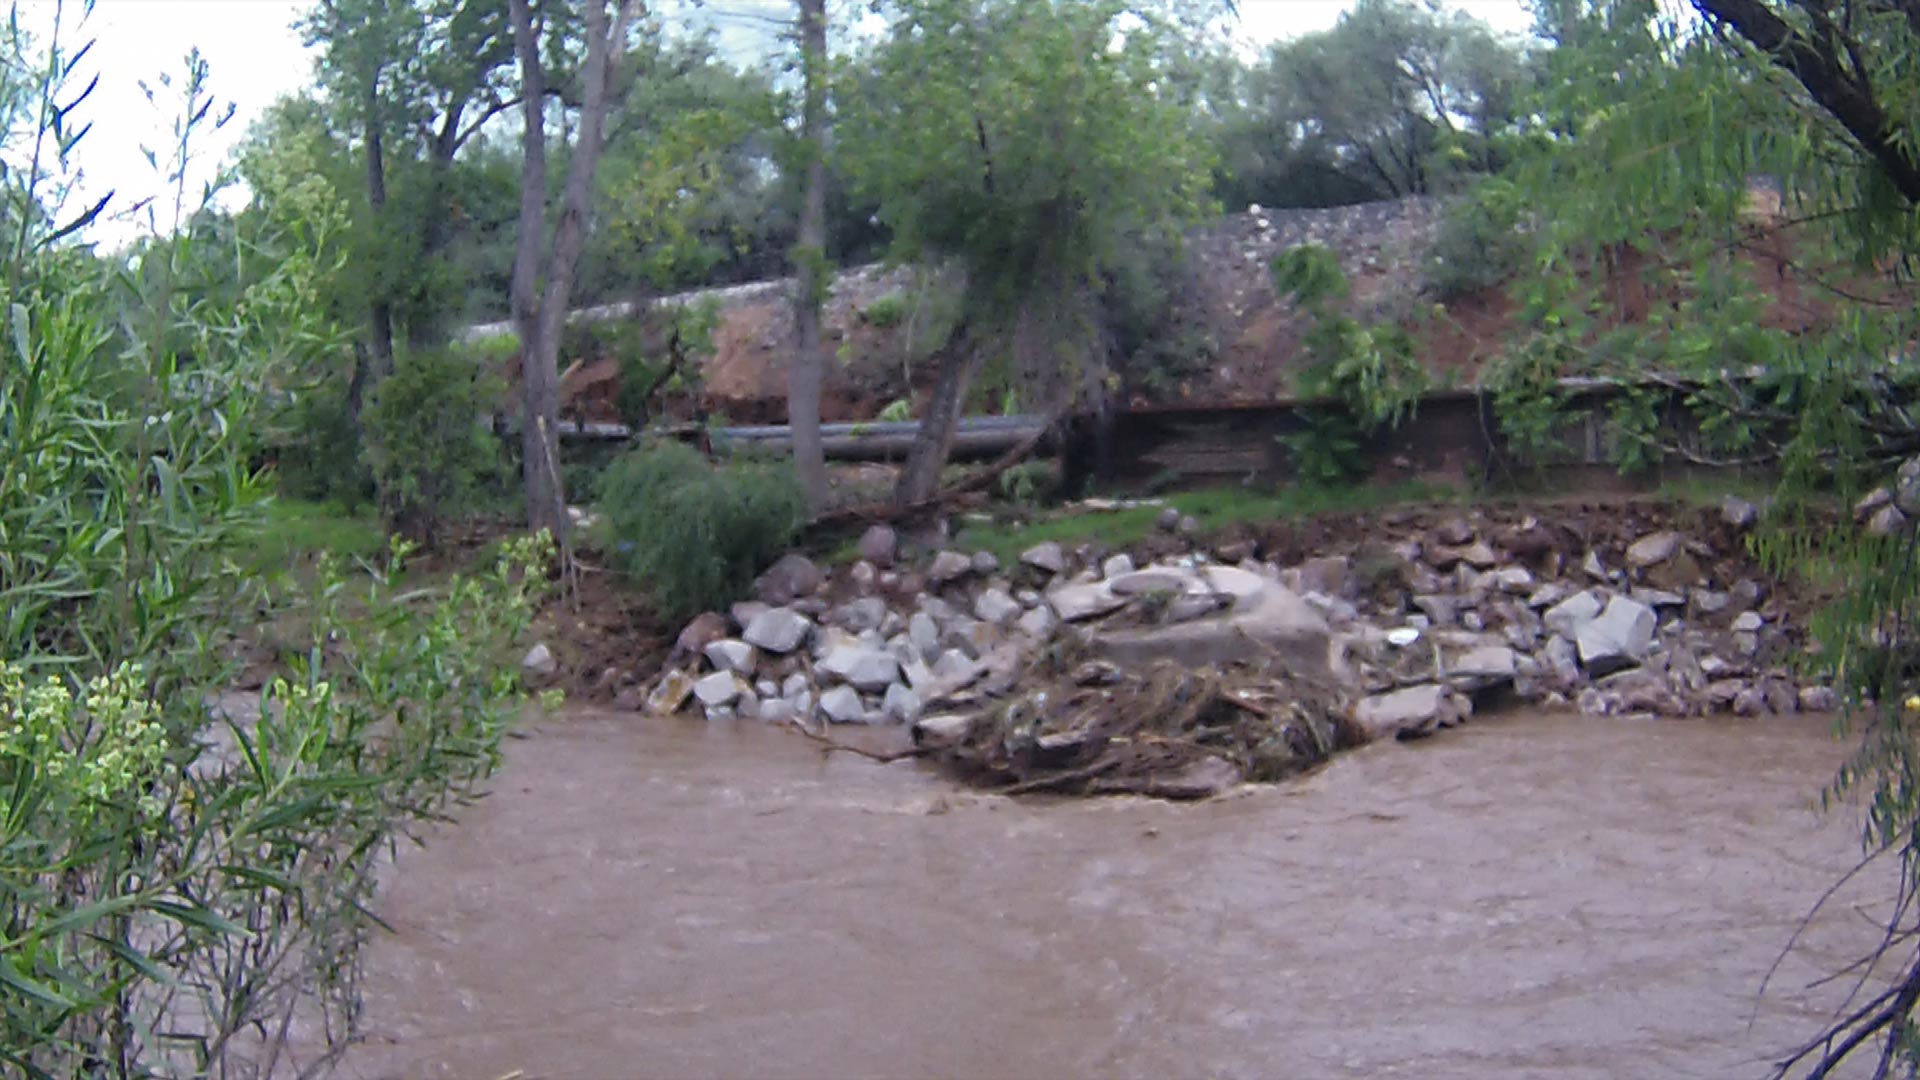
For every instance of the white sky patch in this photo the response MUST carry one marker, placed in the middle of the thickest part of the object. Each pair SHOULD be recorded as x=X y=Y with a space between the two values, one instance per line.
x=256 y=57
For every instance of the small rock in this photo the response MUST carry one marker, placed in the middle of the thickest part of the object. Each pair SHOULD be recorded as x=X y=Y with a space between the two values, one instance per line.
x=1653 y=550
x=1045 y=557
x=1407 y=713
x=1780 y=698
x=743 y=615
x=1117 y=566
x=1441 y=609
x=1594 y=568
x=1659 y=598
x=1748 y=622
x=1547 y=595
x=767 y=688
x=984 y=563
x=705 y=629
x=1747 y=595
x=863 y=666
x=862 y=615
x=944 y=730
x=925 y=635
x=1036 y=623
x=722 y=713
x=1188 y=527
x=1478 y=554
x=718 y=689
x=1906 y=488
x=842 y=705
x=1708 y=602
x=670 y=694
x=794 y=576
x=864 y=576
x=1738 y=512
x=731 y=654
x=948 y=567
x=1887 y=521
x=1072 y=603
x=1455 y=531
x=1169 y=520
x=1873 y=500
x=539 y=661
x=901 y=704
x=777 y=711
x=1489 y=665
x=1511 y=579
x=634 y=699
x=1235 y=551
x=1153 y=579
x=1327 y=574
x=880 y=545
x=1819 y=699
x=954 y=665
x=1566 y=616
x=793 y=685
x=778 y=630
x=996 y=607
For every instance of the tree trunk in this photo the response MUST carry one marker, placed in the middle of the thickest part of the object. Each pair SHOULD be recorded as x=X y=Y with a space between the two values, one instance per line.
x=379 y=357
x=806 y=368
x=921 y=476
x=539 y=313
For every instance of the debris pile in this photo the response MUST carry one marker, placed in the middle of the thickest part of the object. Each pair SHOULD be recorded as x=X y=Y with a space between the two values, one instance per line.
x=1083 y=670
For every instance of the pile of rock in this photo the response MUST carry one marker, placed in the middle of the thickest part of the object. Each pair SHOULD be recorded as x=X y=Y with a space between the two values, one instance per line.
x=1460 y=614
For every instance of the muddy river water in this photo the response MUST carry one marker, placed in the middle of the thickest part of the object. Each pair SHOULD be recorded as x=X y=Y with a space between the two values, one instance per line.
x=1527 y=896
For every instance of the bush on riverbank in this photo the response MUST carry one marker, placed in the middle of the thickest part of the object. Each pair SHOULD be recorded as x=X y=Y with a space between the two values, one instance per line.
x=693 y=534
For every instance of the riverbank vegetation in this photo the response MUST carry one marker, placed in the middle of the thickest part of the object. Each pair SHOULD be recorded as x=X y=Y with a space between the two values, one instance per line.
x=184 y=878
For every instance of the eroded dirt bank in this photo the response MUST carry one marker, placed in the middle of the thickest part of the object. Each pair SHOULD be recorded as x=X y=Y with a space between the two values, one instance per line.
x=1529 y=896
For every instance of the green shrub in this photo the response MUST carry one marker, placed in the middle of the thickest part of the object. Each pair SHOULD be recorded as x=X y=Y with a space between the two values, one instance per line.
x=431 y=457
x=693 y=534
x=887 y=312
x=1481 y=243
x=319 y=458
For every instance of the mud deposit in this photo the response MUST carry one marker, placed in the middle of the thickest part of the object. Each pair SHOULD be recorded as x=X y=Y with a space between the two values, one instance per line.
x=1534 y=896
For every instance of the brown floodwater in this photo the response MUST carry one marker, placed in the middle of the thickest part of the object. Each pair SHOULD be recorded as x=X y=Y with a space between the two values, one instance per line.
x=1527 y=896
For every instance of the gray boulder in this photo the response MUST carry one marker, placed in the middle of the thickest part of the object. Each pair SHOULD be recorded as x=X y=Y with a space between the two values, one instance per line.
x=1036 y=623
x=1074 y=603
x=1887 y=521
x=1117 y=566
x=1566 y=616
x=880 y=545
x=1486 y=666
x=719 y=689
x=1619 y=637
x=1408 y=713
x=901 y=704
x=1738 y=512
x=1653 y=550
x=862 y=666
x=539 y=662
x=778 y=630
x=793 y=577
x=862 y=615
x=948 y=567
x=996 y=607
x=732 y=654
x=1047 y=558
x=842 y=705
x=985 y=562
x=924 y=633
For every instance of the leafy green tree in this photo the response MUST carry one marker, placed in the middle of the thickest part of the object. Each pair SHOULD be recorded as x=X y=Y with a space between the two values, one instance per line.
x=1675 y=145
x=1033 y=142
x=1396 y=99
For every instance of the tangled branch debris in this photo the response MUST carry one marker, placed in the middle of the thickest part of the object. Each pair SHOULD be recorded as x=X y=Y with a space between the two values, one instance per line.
x=1082 y=726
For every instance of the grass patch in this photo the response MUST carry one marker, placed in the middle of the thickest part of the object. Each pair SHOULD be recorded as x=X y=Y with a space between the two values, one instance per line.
x=293 y=530
x=1213 y=508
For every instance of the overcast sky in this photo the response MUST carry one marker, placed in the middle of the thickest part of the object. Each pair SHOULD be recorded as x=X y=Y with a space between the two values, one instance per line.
x=256 y=56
